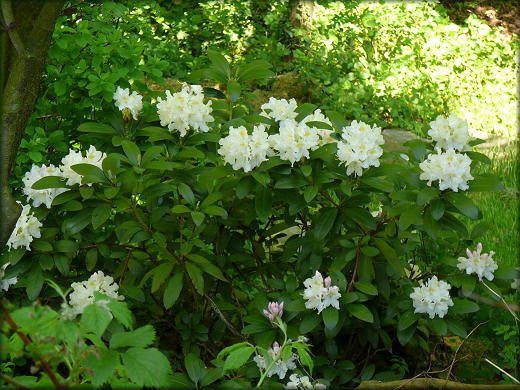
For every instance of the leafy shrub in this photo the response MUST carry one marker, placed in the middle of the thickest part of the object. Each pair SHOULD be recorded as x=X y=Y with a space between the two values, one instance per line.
x=199 y=247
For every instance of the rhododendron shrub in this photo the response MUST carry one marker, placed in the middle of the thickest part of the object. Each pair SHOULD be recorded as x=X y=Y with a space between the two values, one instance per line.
x=291 y=240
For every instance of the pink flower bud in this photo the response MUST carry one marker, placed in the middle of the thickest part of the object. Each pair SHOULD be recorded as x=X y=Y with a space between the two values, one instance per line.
x=328 y=281
x=479 y=247
x=468 y=252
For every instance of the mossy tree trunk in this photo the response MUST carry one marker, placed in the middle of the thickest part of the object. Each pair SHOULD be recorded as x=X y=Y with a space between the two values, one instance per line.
x=23 y=50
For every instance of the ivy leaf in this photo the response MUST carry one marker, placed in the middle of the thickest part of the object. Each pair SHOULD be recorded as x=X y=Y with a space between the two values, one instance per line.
x=147 y=367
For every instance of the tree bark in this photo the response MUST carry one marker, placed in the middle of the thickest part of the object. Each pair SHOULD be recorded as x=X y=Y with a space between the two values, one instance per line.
x=30 y=25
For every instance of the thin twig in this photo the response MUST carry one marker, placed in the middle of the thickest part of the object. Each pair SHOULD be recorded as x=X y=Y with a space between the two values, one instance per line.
x=223 y=318
x=503 y=300
x=124 y=268
x=459 y=347
x=27 y=342
x=16 y=384
x=502 y=371
x=354 y=274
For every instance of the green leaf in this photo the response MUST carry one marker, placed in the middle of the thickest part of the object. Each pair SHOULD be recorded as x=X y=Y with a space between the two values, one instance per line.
x=255 y=70
x=206 y=266
x=100 y=214
x=289 y=182
x=173 y=290
x=151 y=153
x=479 y=230
x=310 y=193
x=305 y=110
x=360 y=311
x=219 y=62
x=62 y=263
x=336 y=118
x=456 y=328
x=390 y=255
x=180 y=209
x=411 y=215
x=147 y=367
x=196 y=277
x=34 y=282
x=194 y=367
x=211 y=376
x=238 y=357
x=426 y=195
x=121 y=313
x=379 y=183
x=180 y=381
x=197 y=217
x=304 y=356
x=90 y=173
x=309 y=322
x=486 y=182
x=65 y=246
x=437 y=207
x=49 y=182
x=141 y=337
x=406 y=334
x=361 y=216
x=95 y=319
x=93 y=127
x=77 y=223
x=438 y=325
x=233 y=89
x=102 y=368
x=214 y=210
x=407 y=319
x=324 y=223
x=365 y=287
x=463 y=204
x=463 y=306
x=132 y=152
x=60 y=87
x=186 y=193
x=263 y=201
x=330 y=317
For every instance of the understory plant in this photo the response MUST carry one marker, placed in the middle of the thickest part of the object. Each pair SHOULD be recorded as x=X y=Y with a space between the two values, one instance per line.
x=189 y=241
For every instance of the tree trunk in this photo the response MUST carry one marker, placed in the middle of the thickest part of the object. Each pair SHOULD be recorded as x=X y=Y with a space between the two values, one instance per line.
x=30 y=26
x=300 y=13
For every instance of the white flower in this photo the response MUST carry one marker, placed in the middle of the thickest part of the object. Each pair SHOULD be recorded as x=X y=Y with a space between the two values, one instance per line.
x=294 y=140
x=133 y=102
x=451 y=133
x=361 y=147
x=325 y=135
x=319 y=296
x=93 y=157
x=452 y=169
x=27 y=227
x=47 y=195
x=243 y=151
x=83 y=294
x=5 y=283
x=280 y=109
x=280 y=367
x=481 y=264
x=185 y=109
x=432 y=298
x=303 y=382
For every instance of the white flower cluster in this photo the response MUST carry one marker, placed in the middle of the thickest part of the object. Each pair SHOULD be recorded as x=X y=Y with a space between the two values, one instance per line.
x=93 y=157
x=244 y=151
x=5 y=283
x=319 y=295
x=83 y=294
x=362 y=147
x=325 y=135
x=280 y=366
x=432 y=298
x=65 y=171
x=452 y=169
x=27 y=227
x=294 y=140
x=298 y=382
x=133 y=102
x=45 y=196
x=185 y=109
x=280 y=109
x=479 y=263
x=449 y=133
